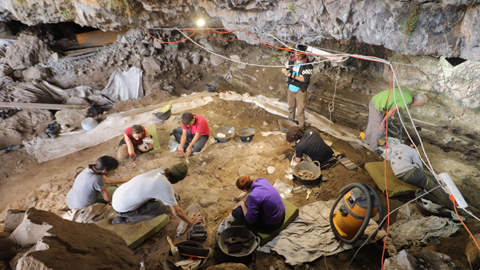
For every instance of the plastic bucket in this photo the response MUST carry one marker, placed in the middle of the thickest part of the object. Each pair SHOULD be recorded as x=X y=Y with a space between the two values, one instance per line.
x=246 y=134
x=89 y=123
x=313 y=167
x=237 y=231
x=285 y=125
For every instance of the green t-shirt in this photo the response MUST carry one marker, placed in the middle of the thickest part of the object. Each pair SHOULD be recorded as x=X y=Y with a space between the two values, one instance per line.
x=380 y=99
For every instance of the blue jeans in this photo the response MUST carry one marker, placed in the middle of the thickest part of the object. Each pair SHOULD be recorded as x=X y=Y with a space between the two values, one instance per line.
x=197 y=147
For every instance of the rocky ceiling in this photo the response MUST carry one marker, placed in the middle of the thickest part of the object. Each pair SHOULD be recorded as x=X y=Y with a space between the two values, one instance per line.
x=439 y=28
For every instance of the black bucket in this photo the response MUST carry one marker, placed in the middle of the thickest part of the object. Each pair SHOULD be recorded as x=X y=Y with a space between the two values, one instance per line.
x=164 y=115
x=246 y=134
x=313 y=167
x=167 y=261
x=246 y=255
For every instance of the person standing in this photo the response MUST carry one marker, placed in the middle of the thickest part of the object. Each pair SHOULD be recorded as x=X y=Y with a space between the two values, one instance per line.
x=193 y=135
x=147 y=195
x=377 y=106
x=298 y=71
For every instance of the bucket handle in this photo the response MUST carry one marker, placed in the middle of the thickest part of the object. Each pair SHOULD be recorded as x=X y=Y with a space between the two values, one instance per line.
x=217 y=238
x=257 y=242
x=226 y=125
x=316 y=163
x=163 y=260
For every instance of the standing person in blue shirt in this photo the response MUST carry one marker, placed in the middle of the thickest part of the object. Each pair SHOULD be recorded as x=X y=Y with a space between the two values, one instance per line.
x=264 y=209
x=298 y=71
x=407 y=166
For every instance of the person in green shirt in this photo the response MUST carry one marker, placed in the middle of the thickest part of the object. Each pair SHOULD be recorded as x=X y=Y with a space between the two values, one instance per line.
x=376 y=114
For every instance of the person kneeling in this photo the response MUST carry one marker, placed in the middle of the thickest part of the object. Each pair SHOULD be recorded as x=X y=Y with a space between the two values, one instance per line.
x=193 y=134
x=264 y=210
x=137 y=199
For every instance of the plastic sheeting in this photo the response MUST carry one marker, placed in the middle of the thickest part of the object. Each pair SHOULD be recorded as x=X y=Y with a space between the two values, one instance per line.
x=113 y=126
x=277 y=107
x=310 y=236
x=123 y=85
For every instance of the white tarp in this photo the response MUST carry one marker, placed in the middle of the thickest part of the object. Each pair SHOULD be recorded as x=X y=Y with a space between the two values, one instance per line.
x=277 y=107
x=310 y=236
x=113 y=126
x=123 y=85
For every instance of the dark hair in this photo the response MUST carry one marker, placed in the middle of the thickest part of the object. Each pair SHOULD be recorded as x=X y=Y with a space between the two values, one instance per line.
x=106 y=163
x=136 y=129
x=294 y=134
x=244 y=182
x=413 y=141
x=301 y=47
x=187 y=117
x=169 y=176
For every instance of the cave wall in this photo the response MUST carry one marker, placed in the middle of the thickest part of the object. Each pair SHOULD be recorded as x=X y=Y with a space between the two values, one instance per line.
x=447 y=28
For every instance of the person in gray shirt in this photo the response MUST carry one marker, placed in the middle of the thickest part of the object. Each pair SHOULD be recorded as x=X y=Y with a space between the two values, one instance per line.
x=91 y=182
x=407 y=166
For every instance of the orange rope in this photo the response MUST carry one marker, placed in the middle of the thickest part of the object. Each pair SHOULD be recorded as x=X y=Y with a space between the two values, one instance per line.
x=221 y=32
x=455 y=206
x=385 y=167
x=173 y=42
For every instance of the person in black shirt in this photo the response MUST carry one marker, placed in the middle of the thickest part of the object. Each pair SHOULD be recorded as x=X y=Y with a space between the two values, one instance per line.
x=309 y=143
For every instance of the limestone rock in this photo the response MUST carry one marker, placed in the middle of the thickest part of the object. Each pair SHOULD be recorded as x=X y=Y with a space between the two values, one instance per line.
x=36 y=73
x=151 y=65
x=184 y=62
x=26 y=52
x=71 y=118
x=5 y=71
x=472 y=252
x=62 y=244
x=228 y=266
x=13 y=218
x=237 y=59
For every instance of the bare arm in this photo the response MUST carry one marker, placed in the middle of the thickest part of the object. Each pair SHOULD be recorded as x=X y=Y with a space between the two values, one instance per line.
x=389 y=114
x=108 y=180
x=194 y=140
x=180 y=214
x=129 y=143
x=106 y=195
x=244 y=207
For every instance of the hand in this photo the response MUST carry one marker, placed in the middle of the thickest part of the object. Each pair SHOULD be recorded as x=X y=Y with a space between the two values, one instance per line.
x=241 y=196
x=181 y=151
x=241 y=204
x=284 y=70
x=382 y=126
x=197 y=218
x=189 y=151
x=133 y=157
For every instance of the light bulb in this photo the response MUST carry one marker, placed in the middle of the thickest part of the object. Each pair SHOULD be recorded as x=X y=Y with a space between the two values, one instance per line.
x=200 y=22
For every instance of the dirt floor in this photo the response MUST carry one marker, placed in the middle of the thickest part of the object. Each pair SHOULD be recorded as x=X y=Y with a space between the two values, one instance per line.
x=212 y=174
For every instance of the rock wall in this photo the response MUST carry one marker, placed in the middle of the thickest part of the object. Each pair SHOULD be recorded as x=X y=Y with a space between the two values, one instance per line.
x=443 y=28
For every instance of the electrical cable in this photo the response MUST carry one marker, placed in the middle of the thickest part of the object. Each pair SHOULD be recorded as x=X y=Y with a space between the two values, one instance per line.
x=387 y=216
x=319 y=193
x=240 y=62
x=452 y=198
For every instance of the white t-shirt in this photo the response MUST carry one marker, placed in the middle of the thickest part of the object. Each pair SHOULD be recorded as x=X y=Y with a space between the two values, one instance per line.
x=140 y=189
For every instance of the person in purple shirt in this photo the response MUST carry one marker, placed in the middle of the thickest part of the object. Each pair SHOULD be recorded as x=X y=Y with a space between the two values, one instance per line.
x=264 y=209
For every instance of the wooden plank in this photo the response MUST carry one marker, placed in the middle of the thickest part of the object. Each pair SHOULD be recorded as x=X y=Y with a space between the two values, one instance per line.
x=40 y=106
x=160 y=105
x=80 y=51
x=98 y=37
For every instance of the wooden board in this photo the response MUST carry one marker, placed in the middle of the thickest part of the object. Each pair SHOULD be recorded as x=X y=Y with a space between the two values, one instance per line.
x=98 y=37
x=40 y=106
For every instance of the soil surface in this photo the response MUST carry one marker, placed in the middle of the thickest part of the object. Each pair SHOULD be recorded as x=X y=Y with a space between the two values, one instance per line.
x=212 y=174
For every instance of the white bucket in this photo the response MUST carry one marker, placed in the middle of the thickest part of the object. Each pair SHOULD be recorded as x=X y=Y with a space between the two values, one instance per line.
x=89 y=123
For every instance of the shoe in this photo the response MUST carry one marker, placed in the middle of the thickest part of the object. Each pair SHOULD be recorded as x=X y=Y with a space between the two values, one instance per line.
x=119 y=220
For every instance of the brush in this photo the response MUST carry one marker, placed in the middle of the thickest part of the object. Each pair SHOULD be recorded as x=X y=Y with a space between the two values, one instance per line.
x=173 y=249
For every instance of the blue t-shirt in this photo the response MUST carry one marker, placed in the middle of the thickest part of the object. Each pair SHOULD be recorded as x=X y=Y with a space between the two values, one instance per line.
x=295 y=70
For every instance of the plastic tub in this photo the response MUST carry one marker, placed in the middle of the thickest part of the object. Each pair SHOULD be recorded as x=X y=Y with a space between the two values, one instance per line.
x=89 y=123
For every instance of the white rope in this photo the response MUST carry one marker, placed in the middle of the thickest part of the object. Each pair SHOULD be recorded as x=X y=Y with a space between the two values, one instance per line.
x=240 y=62
x=331 y=105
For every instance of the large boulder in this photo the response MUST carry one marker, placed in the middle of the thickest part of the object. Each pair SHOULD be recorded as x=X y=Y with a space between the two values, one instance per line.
x=63 y=244
x=26 y=52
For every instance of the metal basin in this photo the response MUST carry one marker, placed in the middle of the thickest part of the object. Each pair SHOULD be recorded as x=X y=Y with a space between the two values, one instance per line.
x=237 y=231
x=227 y=130
x=313 y=167
x=246 y=134
x=285 y=125
x=164 y=115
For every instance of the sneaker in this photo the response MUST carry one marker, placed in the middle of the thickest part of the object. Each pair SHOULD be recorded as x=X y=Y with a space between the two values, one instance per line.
x=119 y=220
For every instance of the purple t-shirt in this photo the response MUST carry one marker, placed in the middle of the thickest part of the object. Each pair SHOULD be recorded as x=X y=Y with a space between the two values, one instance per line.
x=264 y=202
